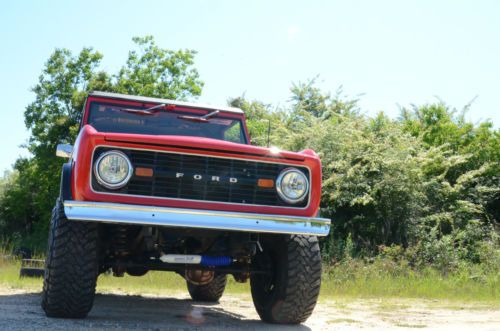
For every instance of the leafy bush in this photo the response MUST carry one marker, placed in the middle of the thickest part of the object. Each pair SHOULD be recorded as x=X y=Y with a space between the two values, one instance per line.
x=428 y=182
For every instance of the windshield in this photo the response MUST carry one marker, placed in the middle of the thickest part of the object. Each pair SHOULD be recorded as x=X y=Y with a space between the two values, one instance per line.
x=106 y=117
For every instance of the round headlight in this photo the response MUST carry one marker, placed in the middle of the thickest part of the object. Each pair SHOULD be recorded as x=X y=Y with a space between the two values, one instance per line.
x=113 y=169
x=292 y=185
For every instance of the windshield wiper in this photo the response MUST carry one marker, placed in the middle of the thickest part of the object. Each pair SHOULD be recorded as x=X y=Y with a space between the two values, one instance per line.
x=147 y=111
x=202 y=119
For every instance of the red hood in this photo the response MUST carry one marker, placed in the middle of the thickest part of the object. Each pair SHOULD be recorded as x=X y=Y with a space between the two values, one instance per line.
x=202 y=143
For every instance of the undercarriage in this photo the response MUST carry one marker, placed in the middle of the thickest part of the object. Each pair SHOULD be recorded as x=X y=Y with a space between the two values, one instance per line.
x=196 y=255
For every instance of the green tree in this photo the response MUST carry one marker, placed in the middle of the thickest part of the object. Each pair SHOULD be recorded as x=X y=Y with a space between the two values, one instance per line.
x=262 y=121
x=54 y=117
x=308 y=98
x=159 y=72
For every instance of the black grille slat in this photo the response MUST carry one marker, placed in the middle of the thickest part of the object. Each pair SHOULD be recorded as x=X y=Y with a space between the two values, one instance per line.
x=166 y=183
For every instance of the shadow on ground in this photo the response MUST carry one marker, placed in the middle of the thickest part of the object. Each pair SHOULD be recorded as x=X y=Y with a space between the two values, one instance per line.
x=122 y=312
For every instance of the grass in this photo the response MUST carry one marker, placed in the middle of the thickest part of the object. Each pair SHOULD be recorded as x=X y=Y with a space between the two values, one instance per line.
x=156 y=283
x=9 y=277
x=415 y=286
x=368 y=282
x=153 y=283
x=384 y=279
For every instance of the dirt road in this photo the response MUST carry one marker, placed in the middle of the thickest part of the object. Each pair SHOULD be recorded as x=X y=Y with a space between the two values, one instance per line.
x=21 y=311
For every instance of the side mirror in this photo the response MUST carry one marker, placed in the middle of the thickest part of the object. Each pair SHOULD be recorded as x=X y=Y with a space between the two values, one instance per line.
x=64 y=150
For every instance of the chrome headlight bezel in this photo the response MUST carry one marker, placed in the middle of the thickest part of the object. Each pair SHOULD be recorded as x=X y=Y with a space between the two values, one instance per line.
x=124 y=181
x=279 y=182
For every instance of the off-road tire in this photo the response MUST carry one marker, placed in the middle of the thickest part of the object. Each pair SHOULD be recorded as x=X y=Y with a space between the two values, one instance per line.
x=289 y=294
x=210 y=292
x=71 y=267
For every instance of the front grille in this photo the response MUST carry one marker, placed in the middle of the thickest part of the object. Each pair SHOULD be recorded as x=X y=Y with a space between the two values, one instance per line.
x=217 y=179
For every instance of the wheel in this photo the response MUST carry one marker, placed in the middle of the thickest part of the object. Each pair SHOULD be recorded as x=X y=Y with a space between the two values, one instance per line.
x=210 y=292
x=289 y=293
x=71 y=267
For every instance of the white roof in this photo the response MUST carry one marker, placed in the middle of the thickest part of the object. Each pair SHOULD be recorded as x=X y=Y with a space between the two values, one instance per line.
x=166 y=101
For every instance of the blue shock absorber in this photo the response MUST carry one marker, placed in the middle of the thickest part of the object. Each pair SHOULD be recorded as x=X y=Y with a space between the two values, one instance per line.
x=215 y=261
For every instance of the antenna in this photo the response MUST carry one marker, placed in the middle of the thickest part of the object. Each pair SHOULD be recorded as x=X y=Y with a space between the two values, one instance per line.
x=268 y=131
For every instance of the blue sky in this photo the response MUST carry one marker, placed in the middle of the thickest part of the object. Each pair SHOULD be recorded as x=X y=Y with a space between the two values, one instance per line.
x=392 y=52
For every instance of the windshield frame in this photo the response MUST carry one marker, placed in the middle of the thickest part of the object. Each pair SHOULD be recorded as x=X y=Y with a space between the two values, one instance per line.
x=180 y=109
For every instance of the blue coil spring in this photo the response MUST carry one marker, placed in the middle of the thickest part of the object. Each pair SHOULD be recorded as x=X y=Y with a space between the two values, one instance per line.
x=215 y=261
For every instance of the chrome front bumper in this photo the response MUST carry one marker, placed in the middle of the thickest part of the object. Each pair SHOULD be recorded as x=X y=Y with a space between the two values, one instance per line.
x=192 y=218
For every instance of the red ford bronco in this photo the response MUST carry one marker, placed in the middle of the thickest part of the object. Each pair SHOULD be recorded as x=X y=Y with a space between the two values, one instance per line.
x=154 y=184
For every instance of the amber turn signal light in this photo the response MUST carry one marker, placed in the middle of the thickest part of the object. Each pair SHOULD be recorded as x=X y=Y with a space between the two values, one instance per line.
x=144 y=172
x=268 y=183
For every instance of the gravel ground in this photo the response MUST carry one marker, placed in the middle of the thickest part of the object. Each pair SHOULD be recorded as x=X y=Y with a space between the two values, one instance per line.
x=20 y=310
